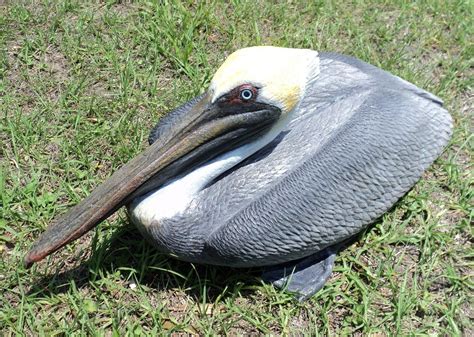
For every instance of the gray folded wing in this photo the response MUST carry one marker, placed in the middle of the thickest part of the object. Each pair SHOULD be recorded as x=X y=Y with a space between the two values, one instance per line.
x=362 y=138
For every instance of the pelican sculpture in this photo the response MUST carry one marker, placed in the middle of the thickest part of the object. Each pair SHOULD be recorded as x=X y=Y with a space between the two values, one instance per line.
x=288 y=154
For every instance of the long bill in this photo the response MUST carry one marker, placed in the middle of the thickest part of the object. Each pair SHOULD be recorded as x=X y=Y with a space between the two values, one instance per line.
x=205 y=124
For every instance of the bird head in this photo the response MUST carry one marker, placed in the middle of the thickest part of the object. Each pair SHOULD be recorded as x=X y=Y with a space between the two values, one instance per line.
x=270 y=75
x=250 y=96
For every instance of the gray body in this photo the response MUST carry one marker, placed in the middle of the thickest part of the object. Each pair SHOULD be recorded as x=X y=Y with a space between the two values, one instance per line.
x=361 y=139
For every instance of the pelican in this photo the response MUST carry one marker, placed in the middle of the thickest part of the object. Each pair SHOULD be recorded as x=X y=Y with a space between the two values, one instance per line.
x=286 y=156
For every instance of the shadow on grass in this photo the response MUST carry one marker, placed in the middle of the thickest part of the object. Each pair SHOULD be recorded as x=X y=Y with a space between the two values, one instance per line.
x=136 y=260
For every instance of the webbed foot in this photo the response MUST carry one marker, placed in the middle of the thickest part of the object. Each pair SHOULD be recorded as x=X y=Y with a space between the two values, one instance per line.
x=303 y=277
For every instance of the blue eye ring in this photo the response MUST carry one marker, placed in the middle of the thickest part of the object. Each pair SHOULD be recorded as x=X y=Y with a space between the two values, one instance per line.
x=246 y=94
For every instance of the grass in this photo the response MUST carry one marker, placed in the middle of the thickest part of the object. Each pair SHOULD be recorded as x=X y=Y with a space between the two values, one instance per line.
x=81 y=83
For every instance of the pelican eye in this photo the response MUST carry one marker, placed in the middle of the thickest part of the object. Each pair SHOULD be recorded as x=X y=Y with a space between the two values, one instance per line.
x=246 y=94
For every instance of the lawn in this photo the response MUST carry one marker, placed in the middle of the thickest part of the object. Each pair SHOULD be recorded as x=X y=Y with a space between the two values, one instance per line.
x=81 y=83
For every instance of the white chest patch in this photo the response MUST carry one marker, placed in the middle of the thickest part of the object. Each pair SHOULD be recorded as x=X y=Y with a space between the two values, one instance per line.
x=177 y=196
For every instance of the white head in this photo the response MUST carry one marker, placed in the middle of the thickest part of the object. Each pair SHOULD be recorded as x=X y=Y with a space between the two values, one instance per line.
x=280 y=74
